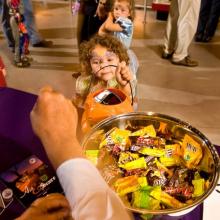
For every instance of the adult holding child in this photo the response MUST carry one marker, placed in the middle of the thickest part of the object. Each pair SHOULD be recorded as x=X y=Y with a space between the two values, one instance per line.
x=120 y=24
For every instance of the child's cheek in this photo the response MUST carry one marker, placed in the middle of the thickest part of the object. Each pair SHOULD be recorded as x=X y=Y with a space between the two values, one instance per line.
x=94 y=68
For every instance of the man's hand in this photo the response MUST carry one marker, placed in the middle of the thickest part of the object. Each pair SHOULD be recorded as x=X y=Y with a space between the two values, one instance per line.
x=54 y=121
x=52 y=207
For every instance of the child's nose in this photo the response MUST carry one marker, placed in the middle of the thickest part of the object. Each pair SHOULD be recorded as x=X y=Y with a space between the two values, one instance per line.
x=104 y=64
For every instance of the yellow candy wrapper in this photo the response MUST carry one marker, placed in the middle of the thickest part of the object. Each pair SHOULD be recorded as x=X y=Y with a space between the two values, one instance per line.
x=142 y=199
x=165 y=198
x=126 y=157
x=161 y=167
x=192 y=152
x=116 y=136
x=149 y=130
x=172 y=155
x=135 y=164
x=142 y=182
x=92 y=155
x=199 y=187
x=127 y=185
x=152 y=152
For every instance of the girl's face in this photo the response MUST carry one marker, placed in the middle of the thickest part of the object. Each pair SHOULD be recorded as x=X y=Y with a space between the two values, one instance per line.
x=102 y=57
x=121 y=9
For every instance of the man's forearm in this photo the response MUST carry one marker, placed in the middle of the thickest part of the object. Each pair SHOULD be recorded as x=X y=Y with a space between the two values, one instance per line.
x=87 y=192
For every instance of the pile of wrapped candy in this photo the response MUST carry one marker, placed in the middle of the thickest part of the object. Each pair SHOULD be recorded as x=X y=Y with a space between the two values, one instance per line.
x=150 y=169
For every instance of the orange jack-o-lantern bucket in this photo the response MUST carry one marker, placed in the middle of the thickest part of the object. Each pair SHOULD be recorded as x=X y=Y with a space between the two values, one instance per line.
x=102 y=104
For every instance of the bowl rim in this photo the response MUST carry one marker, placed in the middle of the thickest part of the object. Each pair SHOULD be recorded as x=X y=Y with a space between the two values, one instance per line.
x=186 y=125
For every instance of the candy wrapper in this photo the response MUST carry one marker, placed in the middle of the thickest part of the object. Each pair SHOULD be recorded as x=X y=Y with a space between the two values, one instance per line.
x=163 y=131
x=172 y=155
x=156 y=178
x=165 y=198
x=146 y=131
x=192 y=152
x=142 y=199
x=126 y=157
x=184 y=192
x=92 y=155
x=111 y=173
x=127 y=185
x=152 y=152
x=199 y=187
x=135 y=164
x=151 y=141
x=116 y=136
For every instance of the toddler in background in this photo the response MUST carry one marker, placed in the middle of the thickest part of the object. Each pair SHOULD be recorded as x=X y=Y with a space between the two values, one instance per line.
x=19 y=32
x=120 y=24
x=105 y=64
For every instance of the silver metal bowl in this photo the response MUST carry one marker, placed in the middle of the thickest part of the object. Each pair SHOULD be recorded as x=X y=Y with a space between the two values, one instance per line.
x=178 y=129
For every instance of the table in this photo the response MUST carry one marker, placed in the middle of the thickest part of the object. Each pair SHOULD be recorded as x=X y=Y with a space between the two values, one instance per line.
x=17 y=141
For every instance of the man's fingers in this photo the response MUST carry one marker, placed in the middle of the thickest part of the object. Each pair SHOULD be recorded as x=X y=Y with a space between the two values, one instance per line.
x=51 y=203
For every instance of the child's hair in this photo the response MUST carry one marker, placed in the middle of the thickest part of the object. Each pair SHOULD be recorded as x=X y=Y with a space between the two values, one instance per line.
x=109 y=42
x=131 y=7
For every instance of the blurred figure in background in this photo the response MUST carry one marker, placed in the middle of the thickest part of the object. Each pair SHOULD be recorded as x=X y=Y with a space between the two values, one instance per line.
x=20 y=35
x=91 y=15
x=35 y=38
x=181 y=27
x=208 y=20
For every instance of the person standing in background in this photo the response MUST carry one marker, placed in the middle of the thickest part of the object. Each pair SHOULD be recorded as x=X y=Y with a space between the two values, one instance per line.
x=35 y=38
x=91 y=15
x=180 y=30
x=19 y=32
x=208 y=20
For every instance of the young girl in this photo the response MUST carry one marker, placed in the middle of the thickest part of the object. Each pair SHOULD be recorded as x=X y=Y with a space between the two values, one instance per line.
x=105 y=64
x=120 y=21
x=120 y=24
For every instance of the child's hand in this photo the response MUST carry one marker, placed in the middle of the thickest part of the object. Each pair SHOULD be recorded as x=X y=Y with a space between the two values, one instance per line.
x=123 y=74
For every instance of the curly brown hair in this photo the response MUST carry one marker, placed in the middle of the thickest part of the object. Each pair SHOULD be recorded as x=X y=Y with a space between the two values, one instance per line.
x=109 y=42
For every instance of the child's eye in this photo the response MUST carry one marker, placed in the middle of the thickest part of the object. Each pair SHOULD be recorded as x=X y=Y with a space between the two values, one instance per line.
x=95 y=62
x=110 y=59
